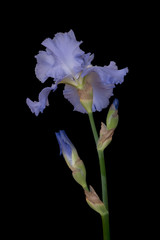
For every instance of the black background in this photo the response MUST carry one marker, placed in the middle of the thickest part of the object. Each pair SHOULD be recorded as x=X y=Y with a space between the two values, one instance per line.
x=44 y=200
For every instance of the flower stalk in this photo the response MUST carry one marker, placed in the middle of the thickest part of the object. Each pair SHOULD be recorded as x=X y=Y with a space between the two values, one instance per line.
x=105 y=224
x=105 y=218
x=101 y=162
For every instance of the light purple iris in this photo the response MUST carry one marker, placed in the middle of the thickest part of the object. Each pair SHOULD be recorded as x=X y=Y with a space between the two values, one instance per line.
x=65 y=62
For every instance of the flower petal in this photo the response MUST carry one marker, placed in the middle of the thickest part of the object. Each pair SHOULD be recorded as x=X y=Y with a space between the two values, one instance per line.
x=34 y=106
x=66 y=56
x=108 y=74
x=65 y=145
x=101 y=92
x=37 y=107
x=45 y=63
x=102 y=80
x=87 y=60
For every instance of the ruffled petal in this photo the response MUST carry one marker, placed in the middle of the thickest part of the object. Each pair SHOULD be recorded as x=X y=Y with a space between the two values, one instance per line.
x=108 y=74
x=37 y=107
x=87 y=60
x=34 y=106
x=101 y=92
x=66 y=56
x=112 y=65
x=45 y=62
x=103 y=80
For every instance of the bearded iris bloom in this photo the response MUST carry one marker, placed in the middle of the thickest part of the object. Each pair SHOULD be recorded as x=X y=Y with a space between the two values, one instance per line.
x=66 y=63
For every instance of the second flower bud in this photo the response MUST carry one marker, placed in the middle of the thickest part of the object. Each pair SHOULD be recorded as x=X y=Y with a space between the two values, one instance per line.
x=107 y=130
x=72 y=159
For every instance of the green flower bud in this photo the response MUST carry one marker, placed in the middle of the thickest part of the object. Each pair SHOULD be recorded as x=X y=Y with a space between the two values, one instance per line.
x=107 y=132
x=94 y=202
x=79 y=173
x=112 y=116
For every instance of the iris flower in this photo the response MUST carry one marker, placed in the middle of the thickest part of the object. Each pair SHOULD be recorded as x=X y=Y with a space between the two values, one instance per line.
x=66 y=63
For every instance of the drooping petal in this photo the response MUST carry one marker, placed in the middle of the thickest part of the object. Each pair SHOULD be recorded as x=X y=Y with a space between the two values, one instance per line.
x=101 y=95
x=38 y=106
x=102 y=80
x=34 y=106
x=108 y=74
x=101 y=92
x=63 y=57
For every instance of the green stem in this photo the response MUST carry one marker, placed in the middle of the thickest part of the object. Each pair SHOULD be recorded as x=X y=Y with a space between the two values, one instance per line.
x=86 y=188
x=105 y=224
x=101 y=162
x=105 y=218
x=93 y=126
x=103 y=178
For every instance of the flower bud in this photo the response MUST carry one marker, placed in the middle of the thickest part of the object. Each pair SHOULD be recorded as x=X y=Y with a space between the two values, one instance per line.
x=72 y=159
x=86 y=96
x=112 y=116
x=94 y=202
x=105 y=137
x=107 y=132
x=79 y=173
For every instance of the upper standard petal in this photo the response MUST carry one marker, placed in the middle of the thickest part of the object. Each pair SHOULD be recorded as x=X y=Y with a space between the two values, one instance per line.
x=45 y=62
x=66 y=55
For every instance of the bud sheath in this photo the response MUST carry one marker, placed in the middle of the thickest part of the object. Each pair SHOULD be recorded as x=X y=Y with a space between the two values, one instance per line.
x=107 y=132
x=94 y=202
